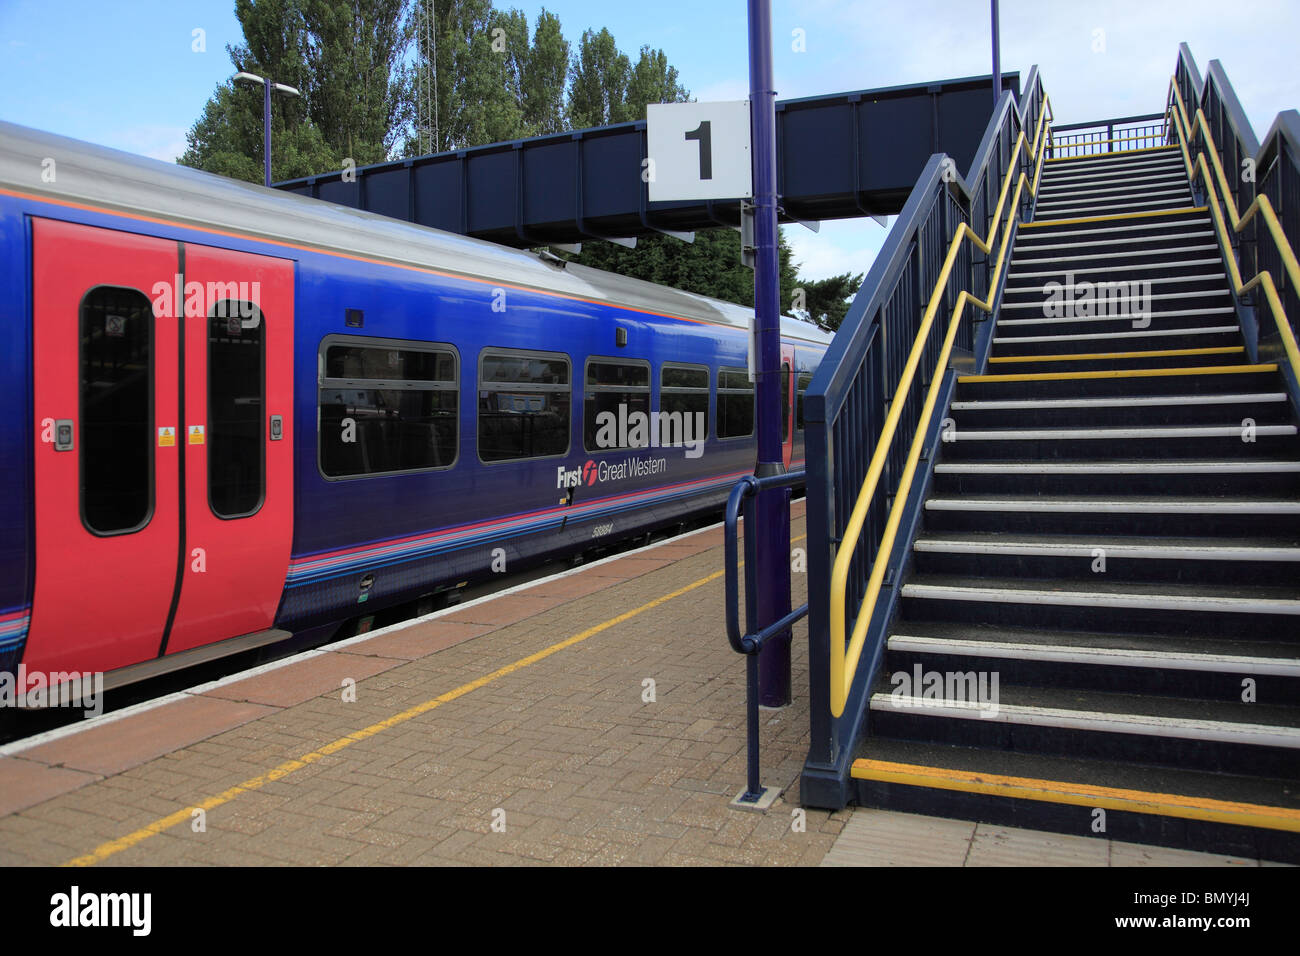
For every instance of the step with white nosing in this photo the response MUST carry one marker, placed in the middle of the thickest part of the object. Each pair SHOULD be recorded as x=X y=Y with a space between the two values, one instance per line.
x=1117 y=401
x=1074 y=262
x=1219 y=731
x=1172 y=313
x=1185 y=220
x=1102 y=434
x=1189 y=506
x=1074 y=267
x=1163 y=250
x=1107 y=270
x=1113 y=549
x=1156 y=601
x=1106 y=656
x=1137 y=334
x=1110 y=209
x=1090 y=468
x=1154 y=296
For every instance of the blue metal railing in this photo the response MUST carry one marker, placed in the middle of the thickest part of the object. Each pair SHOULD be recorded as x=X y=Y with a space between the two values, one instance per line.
x=1271 y=168
x=752 y=641
x=854 y=387
x=1109 y=136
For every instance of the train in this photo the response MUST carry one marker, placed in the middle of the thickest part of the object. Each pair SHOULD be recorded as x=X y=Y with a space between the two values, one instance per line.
x=235 y=415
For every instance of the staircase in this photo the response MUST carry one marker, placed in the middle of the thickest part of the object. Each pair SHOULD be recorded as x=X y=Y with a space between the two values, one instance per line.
x=1113 y=531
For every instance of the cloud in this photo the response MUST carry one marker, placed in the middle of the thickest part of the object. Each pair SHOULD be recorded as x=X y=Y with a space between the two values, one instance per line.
x=845 y=245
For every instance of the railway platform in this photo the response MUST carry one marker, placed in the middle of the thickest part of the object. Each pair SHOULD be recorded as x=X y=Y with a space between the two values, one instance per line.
x=594 y=717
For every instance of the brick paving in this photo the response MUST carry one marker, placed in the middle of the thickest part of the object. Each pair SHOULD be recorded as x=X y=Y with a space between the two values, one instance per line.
x=562 y=761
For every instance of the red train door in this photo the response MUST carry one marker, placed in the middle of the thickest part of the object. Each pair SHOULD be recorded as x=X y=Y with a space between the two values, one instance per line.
x=107 y=458
x=115 y=540
x=238 y=444
x=787 y=403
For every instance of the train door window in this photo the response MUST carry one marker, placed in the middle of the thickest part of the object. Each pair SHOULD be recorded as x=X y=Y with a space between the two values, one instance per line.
x=805 y=379
x=116 y=401
x=785 y=402
x=683 y=403
x=615 y=391
x=236 y=406
x=735 y=403
x=387 y=406
x=523 y=405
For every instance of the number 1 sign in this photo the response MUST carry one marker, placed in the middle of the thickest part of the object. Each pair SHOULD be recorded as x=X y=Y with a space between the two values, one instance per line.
x=698 y=151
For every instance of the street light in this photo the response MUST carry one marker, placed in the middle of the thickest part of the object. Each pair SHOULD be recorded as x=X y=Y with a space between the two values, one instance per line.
x=267 y=87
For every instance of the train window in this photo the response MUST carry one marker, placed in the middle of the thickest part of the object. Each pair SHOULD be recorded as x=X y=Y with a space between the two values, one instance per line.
x=614 y=392
x=785 y=402
x=116 y=398
x=735 y=403
x=684 y=391
x=523 y=405
x=387 y=406
x=236 y=403
x=805 y=379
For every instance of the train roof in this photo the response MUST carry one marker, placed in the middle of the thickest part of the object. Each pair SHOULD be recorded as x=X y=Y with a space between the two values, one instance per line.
x=109 y=178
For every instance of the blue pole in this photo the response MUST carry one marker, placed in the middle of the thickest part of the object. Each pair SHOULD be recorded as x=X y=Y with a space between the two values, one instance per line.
x=997 y=58
x=772 y=506
x=266 y=127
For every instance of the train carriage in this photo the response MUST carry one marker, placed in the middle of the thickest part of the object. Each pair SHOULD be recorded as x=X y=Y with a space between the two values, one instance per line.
x=236 y=414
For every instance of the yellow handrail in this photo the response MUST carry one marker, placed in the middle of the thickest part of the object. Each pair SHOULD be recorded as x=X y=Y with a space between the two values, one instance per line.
x=1261 y=206
x=844 y=662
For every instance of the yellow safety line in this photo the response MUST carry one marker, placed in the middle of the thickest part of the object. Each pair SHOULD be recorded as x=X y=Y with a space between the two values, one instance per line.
x=1080 y=794
x=1121 y=152
x=1184 y=211
x=1121 y=373
x=1261 y=205
x=1097 y=356
x=105 y=850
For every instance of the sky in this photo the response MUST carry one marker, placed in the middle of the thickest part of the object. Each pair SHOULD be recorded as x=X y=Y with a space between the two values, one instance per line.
x=135 y=75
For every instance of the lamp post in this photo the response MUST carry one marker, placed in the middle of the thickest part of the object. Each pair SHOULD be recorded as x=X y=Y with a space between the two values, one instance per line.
x=267 y=87
x=997 y=56
x=772 y=506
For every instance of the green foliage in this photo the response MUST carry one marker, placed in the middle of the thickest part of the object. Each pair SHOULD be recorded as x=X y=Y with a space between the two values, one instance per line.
x=827 y=300
x=652 y=81
x=598 y=80
x=341 y=55
x=367 y=77
x=709 y=266
x=544 y=77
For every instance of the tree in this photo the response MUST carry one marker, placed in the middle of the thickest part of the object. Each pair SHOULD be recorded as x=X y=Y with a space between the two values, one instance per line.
x=827 y=300
x=710 y=266
x=343 y=58
x=599 y=78
x=544 y=77
x=652 y=81
x=354 y=49
x=473 y=76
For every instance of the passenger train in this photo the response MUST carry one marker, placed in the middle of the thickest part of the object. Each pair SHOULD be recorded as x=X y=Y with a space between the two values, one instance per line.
x=233 y=414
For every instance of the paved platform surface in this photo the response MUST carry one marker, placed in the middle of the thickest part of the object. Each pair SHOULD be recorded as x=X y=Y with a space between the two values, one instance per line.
x=886 y=838
x=592 y=718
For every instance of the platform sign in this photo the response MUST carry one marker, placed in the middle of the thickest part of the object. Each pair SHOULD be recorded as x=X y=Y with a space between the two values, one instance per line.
x=698 y=151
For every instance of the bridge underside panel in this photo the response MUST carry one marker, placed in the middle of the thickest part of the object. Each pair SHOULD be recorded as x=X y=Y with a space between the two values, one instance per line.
x=838 y=156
